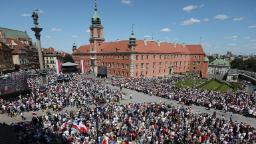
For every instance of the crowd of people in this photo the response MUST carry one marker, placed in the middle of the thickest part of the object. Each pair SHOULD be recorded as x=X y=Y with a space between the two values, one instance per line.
x=76 y=92
x=100 y=117
x=237 y=102
x=134 y=123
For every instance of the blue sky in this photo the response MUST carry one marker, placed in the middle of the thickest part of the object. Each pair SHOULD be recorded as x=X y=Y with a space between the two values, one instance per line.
x=223 y=25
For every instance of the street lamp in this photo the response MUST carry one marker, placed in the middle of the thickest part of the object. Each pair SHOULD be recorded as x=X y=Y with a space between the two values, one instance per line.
x=97 y=104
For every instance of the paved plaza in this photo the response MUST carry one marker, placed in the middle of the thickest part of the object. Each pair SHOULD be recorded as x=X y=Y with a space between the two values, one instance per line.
x=138 y=97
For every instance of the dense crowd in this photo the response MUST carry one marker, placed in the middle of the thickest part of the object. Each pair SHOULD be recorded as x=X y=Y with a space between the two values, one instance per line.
x=100 y=117
x=237 y=102
x=134 y=123
x=78 y=91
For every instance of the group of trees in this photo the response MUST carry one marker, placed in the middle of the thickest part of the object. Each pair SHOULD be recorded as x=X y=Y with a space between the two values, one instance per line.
x=68 y=58
x=249 y=64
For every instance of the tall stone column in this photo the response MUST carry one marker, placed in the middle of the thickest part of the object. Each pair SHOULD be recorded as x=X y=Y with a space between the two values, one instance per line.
x=38 y=46
x=37 y=31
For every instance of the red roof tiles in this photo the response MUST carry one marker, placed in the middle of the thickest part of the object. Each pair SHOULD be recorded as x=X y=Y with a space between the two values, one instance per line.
x=144 y=47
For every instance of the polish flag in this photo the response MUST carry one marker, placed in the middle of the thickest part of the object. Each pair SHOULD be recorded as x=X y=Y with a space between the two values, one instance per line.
x=75 y=126
x=105 y=140
x=58 y=66
x=63 y=126
x=83 y=128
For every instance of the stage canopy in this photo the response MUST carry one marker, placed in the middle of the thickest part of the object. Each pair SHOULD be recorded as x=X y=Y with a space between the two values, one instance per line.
x=69 y=64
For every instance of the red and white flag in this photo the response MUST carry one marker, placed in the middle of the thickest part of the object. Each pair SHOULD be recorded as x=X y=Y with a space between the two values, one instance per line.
x=63 y=126
x=83 y=128
x=75 y=126
x=58 y=66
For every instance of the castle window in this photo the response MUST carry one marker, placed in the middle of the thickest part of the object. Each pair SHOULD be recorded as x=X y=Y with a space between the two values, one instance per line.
x=142 y=65
x=147 y=65
x=98 y=33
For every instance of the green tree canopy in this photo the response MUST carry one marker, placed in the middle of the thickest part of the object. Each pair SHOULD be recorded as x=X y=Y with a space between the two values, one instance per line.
x=249 y=64
x=68 y=58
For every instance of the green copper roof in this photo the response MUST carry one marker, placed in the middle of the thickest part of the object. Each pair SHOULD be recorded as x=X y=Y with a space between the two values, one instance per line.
x=220 y=62
x=206 y=59
x=132 y=35
x=96 y=15
x=14 y=34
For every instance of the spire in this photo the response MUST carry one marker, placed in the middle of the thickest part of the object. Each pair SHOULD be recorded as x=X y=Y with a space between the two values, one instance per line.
x=96 y=27
x=132 y=39
x=132 y=34
x=74 y=47
x=95 y=16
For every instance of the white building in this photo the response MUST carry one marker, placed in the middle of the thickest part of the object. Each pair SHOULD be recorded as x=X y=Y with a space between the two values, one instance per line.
x=51 y=56
x=218 y=68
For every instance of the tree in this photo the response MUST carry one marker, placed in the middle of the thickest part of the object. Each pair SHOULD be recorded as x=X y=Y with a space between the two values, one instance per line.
x=249 y=64
x=68 y=58
x=211 y=59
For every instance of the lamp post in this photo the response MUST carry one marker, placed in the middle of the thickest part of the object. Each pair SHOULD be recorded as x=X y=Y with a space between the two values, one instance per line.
x=97 y=124
x=97 y=104
x=37 y=31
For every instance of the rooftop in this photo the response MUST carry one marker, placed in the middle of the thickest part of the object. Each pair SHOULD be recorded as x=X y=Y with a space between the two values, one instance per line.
x=220 y=62
x=14 y=34
x=144 y=47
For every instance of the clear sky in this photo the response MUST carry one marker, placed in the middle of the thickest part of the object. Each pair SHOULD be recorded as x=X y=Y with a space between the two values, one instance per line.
x=223 y=25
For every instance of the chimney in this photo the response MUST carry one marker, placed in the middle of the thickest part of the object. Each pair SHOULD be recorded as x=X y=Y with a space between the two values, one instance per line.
x=159 y=43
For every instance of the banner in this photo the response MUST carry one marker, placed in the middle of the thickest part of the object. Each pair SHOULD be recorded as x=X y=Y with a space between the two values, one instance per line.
x=58 y=67
x=82 y=66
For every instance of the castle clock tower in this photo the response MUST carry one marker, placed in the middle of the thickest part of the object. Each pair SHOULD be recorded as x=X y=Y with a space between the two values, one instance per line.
x=96 y=30
x=96 y=38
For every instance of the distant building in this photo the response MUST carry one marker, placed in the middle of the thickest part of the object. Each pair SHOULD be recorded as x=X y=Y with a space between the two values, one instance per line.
x=50 y=57
x=24 y=54
x=137 y=58
x=218 y=68
x=232 y=75
x=229 y=54
x=6 y=63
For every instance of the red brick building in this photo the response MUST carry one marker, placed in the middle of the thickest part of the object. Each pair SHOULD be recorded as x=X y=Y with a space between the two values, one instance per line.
x=137 y=58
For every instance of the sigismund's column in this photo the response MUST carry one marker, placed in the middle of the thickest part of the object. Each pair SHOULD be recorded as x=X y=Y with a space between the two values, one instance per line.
x=37 y=31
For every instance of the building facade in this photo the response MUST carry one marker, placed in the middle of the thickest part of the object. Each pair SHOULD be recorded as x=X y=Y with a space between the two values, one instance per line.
x=6 y=63
x=50 y=57
x=137 y=58
x=218 y=68
x=24 y=54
